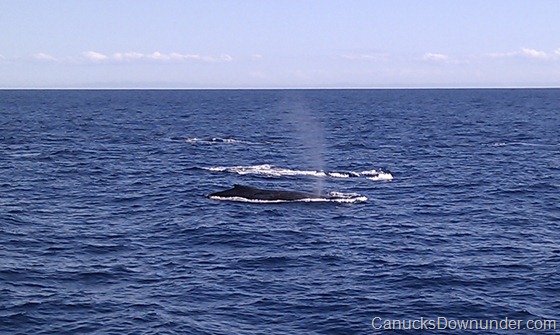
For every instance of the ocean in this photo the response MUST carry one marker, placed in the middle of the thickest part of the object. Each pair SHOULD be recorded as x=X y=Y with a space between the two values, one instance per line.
x=434 y=206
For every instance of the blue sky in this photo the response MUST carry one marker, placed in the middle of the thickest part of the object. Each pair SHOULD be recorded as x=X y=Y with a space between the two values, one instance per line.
x=277 y=44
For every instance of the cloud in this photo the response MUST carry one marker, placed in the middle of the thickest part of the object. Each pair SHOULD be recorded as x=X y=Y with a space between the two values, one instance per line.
x=526 y=53
x=95 y=56
x=226 y=58
x=430 y=56
x=532 y=53
x=154 y=56
x=366 y=57
x=503 y=54
x=127 y=56
x=41 y=56
x=163 y=57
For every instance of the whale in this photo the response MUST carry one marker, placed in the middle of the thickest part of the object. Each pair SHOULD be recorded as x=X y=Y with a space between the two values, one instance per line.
x=253 y=193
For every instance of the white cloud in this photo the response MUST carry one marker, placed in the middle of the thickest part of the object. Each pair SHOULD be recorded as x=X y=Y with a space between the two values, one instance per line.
x=430 y=56
x=503 y=54
x=95 y=56
x=158 y=56
x=41 y=56
x=557 y=52
x=526 y=53
x=181 y=57
x=127 y=56
x=532 y=53
x=154 y=56
x=226 y=58
x=366 y=57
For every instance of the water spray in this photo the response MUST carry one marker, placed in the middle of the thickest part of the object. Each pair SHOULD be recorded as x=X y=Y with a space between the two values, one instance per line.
x=309 y=132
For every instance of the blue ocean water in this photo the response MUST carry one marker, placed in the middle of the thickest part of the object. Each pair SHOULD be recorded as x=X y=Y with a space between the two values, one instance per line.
x=105 y=227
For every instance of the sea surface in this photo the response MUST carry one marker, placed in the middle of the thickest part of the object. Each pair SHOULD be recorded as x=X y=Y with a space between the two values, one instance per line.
x=446 y=208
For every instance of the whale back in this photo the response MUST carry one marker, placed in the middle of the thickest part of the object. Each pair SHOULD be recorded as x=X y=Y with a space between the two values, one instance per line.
x=253 y=193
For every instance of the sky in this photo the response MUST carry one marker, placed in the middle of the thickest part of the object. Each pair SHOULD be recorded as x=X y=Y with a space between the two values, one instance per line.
x=279 y=43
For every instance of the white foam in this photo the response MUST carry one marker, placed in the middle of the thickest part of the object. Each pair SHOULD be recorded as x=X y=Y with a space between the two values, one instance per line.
x=217 y=140
x=498 y=144
x=370 y=172
x=271 y=171
x=339 y=175
x=241 y=199
x=227 y=140
x=503 y=144
x=355 y=199
x=382 y=176
x=266 y=169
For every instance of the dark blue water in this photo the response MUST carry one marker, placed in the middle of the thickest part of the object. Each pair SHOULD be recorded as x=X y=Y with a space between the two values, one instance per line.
x=105 y=227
